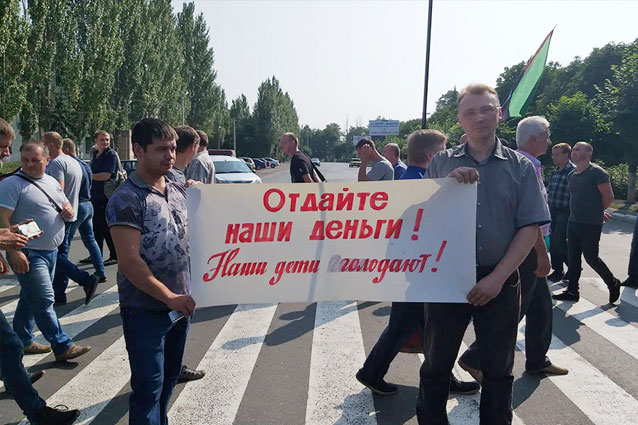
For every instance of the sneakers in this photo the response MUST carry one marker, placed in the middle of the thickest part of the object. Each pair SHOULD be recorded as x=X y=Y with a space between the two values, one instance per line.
x=556 y=276
x=110 y=261
x=552 y=369
x=89 y=289
x=72 y=352
x=379 y=388
x=58 y=415
x=187 y=374
x=614 y=291
x=566 y=296
x=461 y=387
x=37 y=348
x=476 y=373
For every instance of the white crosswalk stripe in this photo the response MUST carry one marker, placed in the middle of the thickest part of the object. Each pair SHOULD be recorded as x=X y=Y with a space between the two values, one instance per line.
x=337 y=351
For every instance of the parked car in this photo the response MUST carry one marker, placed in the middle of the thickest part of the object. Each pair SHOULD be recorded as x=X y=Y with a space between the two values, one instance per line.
x=268 y=164
x=259 y=164
x=129 y=165
x=316 y=161
x=249 y=162
x=229 y=169
x=273 y=162
x=355 y=162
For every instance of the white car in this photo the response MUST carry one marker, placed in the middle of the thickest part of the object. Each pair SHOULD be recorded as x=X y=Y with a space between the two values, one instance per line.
x=229 y=169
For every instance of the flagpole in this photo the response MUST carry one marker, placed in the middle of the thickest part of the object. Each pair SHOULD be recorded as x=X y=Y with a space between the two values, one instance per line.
x=427 y=66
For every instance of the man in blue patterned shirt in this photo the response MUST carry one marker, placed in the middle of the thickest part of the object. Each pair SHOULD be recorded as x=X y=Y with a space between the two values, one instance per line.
x=558 y=199
x=147 y=219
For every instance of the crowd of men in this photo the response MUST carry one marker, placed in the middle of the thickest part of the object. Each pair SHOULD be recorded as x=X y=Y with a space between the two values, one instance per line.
x=145 y=226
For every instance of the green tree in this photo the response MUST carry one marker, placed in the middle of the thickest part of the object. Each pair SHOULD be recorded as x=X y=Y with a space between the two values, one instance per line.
x=13 y=59
x=274 y=114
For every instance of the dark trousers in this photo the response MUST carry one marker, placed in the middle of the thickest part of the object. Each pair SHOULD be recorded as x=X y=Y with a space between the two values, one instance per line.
x=155 y=348
x=536 y=305
x=633 y=257
x=558 y=238
x=66 y=269
x=101 y=230
x=495 y=325
x=405 y=319
x=583 y=239
x=13 y=373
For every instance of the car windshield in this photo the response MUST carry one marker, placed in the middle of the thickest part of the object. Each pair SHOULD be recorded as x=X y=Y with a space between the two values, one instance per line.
x=224 y=167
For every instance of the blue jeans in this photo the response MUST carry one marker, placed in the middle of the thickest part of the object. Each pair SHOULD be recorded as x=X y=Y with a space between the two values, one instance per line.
x=36 y=302
x=633 y=257
x=66 y=269
x=155 y=347
x=13 y=373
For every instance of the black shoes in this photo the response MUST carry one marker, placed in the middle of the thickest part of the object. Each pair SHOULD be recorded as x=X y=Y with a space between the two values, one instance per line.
x=461 y=387
x=556 y=276
x=89 y=289
x=629 y=283
x=187 y=374
x=86 y=260
x=58 y=415
x=614 y=291
x=379 y=388
x=110 y=262
x=567 y=296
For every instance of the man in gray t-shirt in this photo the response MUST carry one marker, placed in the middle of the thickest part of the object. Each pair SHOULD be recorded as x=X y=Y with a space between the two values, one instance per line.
x=590 y=193
x=201 y=168
x=64 y=169
x=381 y=167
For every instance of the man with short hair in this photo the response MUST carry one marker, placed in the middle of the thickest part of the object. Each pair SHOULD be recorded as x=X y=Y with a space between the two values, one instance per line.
x=406 y=318
x=147 y=218
x=392 y=153
x=532 y=139
x=301 y=168
x=590 y=193
x=68 y=173
x=32 y=194
x=381 y=167
x=104 y=166
x=84 y=223
x=509 y=210
x=201 y=167
x=12 y=371
x=187 y=144
x=558 y=198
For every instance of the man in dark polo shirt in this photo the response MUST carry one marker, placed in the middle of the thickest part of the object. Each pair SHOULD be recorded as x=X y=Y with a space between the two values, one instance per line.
x=148 y=221
x=301 y=169
x=509 y=210
x=590 y=194
x=103 y=166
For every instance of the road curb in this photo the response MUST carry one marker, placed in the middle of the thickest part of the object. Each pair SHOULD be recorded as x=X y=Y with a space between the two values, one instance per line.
x=630 y=218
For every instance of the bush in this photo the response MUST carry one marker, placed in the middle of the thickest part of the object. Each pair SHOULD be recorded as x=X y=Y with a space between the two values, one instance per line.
x=7 y=167
x=619 y=175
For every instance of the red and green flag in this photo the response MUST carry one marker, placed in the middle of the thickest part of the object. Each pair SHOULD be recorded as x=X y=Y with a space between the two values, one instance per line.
x=521 y=94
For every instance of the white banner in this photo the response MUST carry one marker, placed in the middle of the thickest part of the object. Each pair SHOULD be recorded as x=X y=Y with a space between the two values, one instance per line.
x=383 y=127
x=408 y=240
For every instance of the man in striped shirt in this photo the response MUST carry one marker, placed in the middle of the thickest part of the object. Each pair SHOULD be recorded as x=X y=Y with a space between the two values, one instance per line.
x=558 y=199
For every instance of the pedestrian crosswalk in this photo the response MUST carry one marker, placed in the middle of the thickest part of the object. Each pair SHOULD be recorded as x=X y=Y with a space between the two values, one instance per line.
x=295 y=364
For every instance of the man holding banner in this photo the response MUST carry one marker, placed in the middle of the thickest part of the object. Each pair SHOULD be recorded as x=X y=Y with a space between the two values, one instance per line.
x=148 y=221
x=509 y=210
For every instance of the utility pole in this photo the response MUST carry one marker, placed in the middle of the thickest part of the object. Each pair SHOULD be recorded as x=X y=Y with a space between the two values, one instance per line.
x=234 y=137
x=427 y=66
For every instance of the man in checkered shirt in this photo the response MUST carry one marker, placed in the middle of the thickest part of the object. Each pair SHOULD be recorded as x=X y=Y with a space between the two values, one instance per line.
x=558 y=199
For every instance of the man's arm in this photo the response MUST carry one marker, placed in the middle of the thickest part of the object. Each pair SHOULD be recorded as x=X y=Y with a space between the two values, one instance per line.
x=607 y=194
x=18 y=259
x=489 y=287
x=127 y=245
x=307 y=178
x=101 y=177
x=542 y=258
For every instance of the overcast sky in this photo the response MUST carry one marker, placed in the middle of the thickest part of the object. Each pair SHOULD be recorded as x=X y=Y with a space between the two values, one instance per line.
x=356 y=60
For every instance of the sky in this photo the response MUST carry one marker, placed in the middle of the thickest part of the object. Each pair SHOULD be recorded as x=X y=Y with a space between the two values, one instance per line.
x=353 y=61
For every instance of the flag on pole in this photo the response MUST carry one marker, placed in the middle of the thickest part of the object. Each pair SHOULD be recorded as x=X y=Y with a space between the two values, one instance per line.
x=521 y=94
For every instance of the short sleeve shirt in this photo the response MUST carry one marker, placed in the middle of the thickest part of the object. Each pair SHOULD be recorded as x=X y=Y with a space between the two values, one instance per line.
x=177 y=176
x=87 y=178
x=65 y=168
x=27 y=201
x=508 y=197
x=399 y=169
x=585 y=200
x=201 y=168
x=300 y=165
x=381 y=170
x=105 y=163
x=163 y=224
